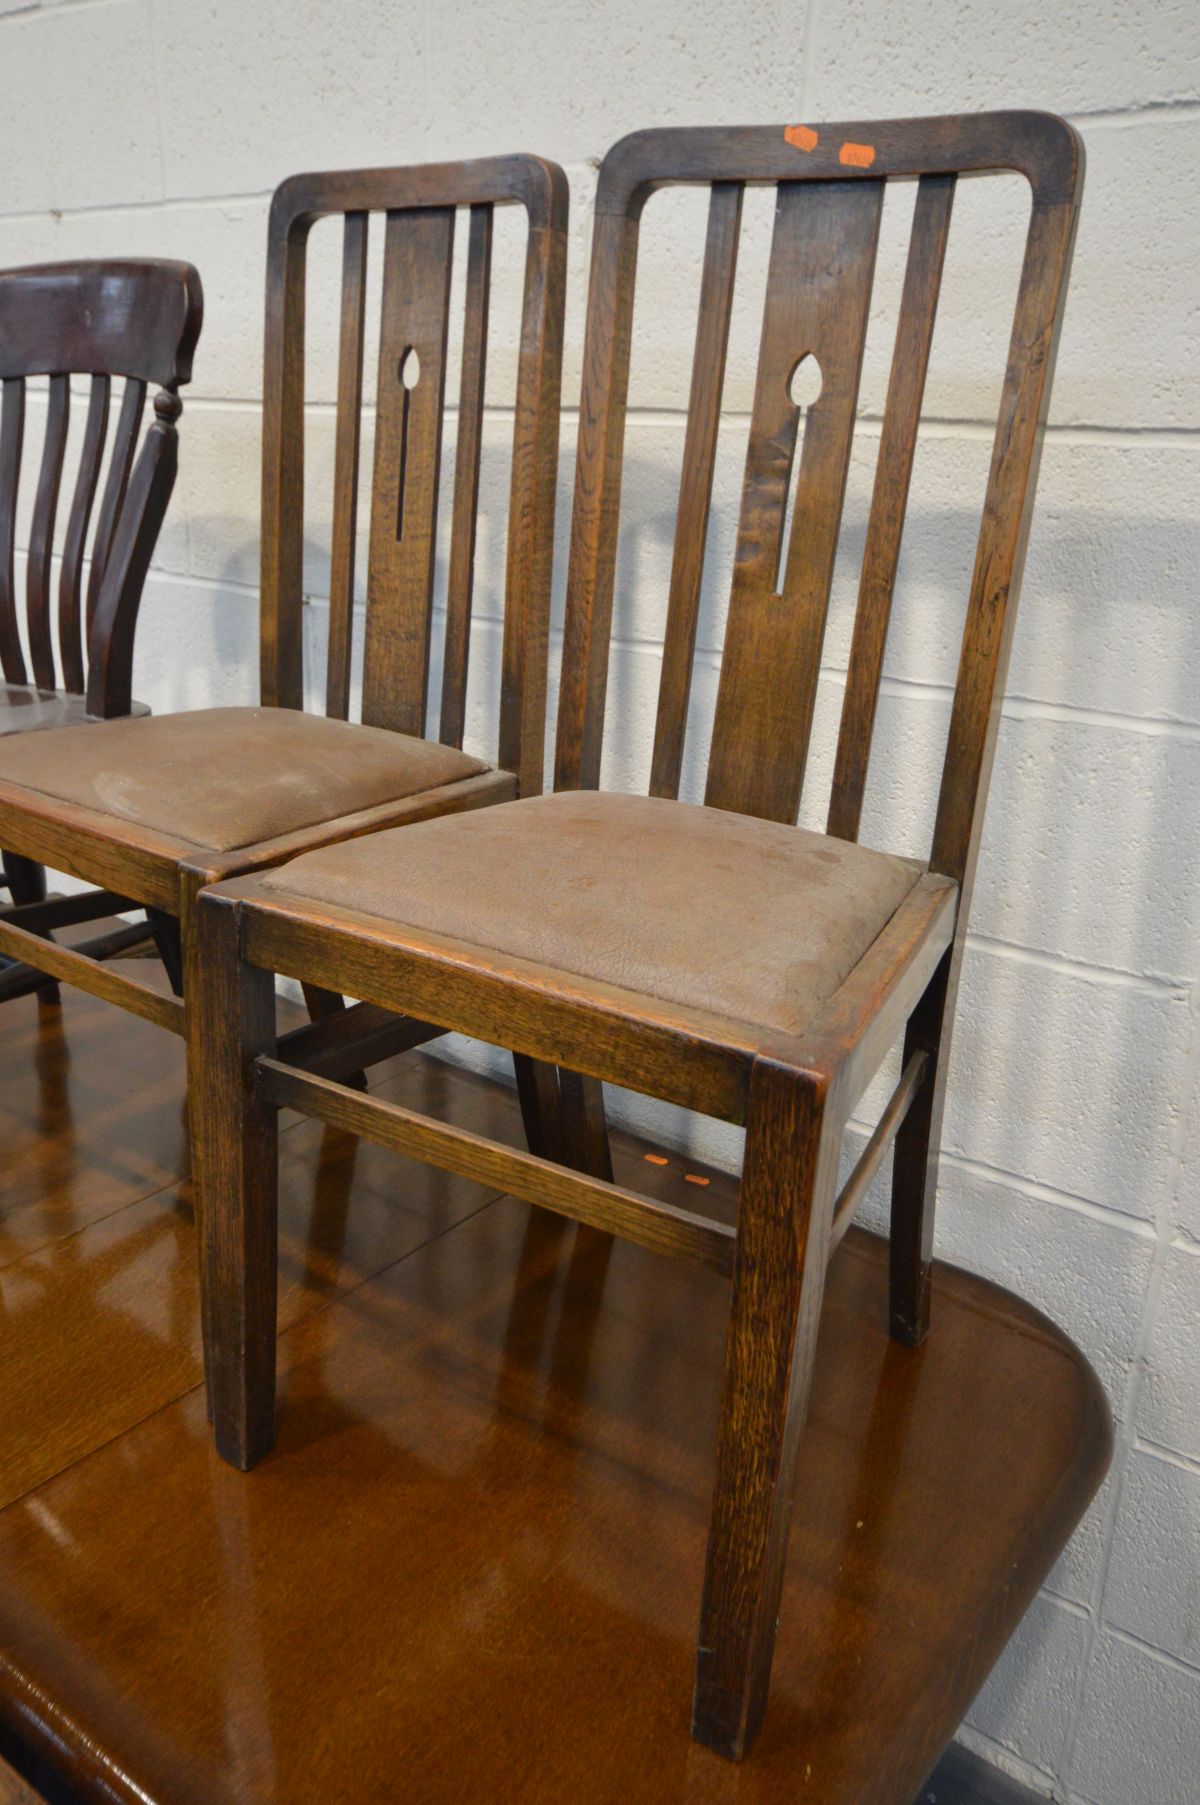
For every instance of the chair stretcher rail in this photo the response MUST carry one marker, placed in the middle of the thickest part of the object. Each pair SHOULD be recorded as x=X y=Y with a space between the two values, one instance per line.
x=88 y=974
x=65 y=911
x=22 y=980
x=652 y=1224
x=352 y=1040
x=886 y=1129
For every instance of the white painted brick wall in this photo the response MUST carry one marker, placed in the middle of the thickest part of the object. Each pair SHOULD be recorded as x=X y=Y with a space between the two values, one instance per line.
x=1073 y=1131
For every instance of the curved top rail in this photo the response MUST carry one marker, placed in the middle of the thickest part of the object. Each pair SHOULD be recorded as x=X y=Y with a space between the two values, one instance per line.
x=1040 y=146
x=138 y=317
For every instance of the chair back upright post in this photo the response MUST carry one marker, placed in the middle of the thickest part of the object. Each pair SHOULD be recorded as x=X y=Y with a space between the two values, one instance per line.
x=135 y=319
x=420 y=207
x=829 y=195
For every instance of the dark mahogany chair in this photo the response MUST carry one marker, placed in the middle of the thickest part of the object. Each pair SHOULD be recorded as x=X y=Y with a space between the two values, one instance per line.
x=154 y=808
x=718 y=957
x=136 y=320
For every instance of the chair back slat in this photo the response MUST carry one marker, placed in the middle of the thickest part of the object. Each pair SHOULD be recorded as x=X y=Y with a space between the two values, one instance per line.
x=696 y=484
x=345 y=464
x=281 y=644
x=467 y=455
x=12 y=437
x=889 y=500
x=110 y=637
x=41 y=533
x=421 y=205
x=596 y=500
x=830 y=185
x=525 y=652
x=418 y=259
x=818 y=295
x=116 y=483
x=70 y=584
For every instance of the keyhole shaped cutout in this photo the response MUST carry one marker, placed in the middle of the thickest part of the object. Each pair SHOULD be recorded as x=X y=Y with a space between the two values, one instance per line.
x=408 y=374
x=806 y=381
x=804 y=388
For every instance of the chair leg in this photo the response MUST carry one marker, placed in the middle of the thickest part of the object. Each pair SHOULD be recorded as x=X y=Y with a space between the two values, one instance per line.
x=563 y=1113
x=915 y=1161
x=165 y=928
x=26 y=881
x=583 y=1125
x=784 y=1215
x=320 y=1005
x=537 y=1089
x=231 y=1019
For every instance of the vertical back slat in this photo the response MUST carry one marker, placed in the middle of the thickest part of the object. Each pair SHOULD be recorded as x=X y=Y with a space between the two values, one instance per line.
x=41 y=534
x=461 y=578
x=70 y=636
x=596 y=506
x=531 y=503
x=120 y=463
x=281 y=644
x=345 y=464
x=695 y=488
x=111 y=636
x=418 y=253
x=12 y=438
x=893 y=473
x=818 y=294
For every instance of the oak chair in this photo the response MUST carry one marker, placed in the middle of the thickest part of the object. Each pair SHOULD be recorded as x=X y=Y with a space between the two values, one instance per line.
x=154 y=808
x=717 y=957
x=136 y=320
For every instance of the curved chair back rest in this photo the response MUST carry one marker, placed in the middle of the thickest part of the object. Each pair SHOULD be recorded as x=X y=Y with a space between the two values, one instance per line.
x=420 y=207
x=830 y=187
x=136 y=319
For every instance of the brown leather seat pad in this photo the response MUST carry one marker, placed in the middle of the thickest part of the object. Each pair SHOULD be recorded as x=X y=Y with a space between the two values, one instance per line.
x=228 y=777
x=747 y=919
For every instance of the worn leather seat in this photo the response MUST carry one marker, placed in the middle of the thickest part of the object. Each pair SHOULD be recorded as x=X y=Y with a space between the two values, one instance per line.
x=747 y=919
x=222 y=778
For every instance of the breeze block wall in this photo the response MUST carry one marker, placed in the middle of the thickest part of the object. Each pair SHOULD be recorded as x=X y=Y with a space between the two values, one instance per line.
x=1072 y=1145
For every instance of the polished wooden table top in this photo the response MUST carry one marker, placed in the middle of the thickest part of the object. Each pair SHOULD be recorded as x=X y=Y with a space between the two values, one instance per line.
x=472 y=1569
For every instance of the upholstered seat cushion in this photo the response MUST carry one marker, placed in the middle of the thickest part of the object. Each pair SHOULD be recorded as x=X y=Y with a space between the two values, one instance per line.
x=745 y=919
x=221 y=778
